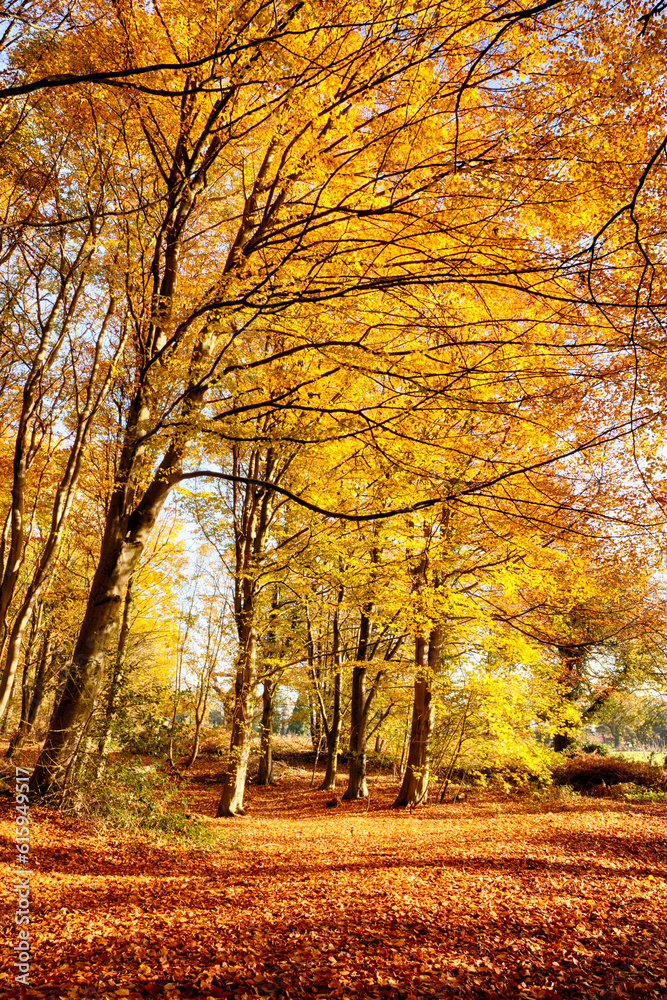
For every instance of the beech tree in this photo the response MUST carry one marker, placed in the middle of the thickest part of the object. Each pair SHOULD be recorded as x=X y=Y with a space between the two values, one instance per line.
x=331 y=708
x=337 y=216
x=429 y=643
x=180 y=149
x=54 y=366
x=591 y=604
x=248 y=527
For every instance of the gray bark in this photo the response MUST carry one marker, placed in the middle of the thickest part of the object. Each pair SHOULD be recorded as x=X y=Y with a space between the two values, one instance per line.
x=234 y=780
x=119 y=671
x=414 y=787
x=332 y=731
x=265 y=776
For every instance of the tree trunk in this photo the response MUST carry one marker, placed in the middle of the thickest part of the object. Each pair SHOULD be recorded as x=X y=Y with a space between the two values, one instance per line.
x=200 y=713
x=332 y=730
x=28 y=612
x=572 y=670
x=404 y=746
x=118 y=560
x=315 y=720
x=360 y=708
x=17 y=738
x=195 y=743
x=265 y=776
x=65 y=492
x=117 y=676
x=233 y=784
x=414 y=788
x=562 y=741
x=8 y=710
x=333 y=737
x=356 y=785
x=30 y=704
x=39 y=689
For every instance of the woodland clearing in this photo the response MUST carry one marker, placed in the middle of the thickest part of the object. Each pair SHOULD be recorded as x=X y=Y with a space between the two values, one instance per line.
x=333 y=372
x=549 y=895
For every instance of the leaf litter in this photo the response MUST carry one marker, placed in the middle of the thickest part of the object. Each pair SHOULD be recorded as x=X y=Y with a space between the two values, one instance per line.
x=489 y=899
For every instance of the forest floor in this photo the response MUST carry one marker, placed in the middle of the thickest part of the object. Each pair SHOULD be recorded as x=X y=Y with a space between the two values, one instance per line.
x=496 y=897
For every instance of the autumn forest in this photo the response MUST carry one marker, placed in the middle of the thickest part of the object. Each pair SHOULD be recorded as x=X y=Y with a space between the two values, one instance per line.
x=333 y=498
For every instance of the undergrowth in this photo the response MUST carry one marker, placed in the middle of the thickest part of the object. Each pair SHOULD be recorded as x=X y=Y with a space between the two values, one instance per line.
x=589 y=772
x=140 y=799
x=638 y=793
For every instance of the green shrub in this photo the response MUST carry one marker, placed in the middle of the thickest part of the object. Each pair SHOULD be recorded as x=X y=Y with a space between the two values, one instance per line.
x=140 y=799
x=638 y=793
x=599 y=748
x=142 y=723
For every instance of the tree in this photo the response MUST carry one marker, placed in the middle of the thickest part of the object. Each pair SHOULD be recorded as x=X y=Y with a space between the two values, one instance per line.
x=595 y=603
x=47 y=458
x=332 y=714
x=207 y=662
x=429 y=628
x=267 y=232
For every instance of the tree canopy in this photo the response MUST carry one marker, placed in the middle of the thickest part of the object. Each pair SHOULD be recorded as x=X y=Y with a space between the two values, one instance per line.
x=371 y=297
